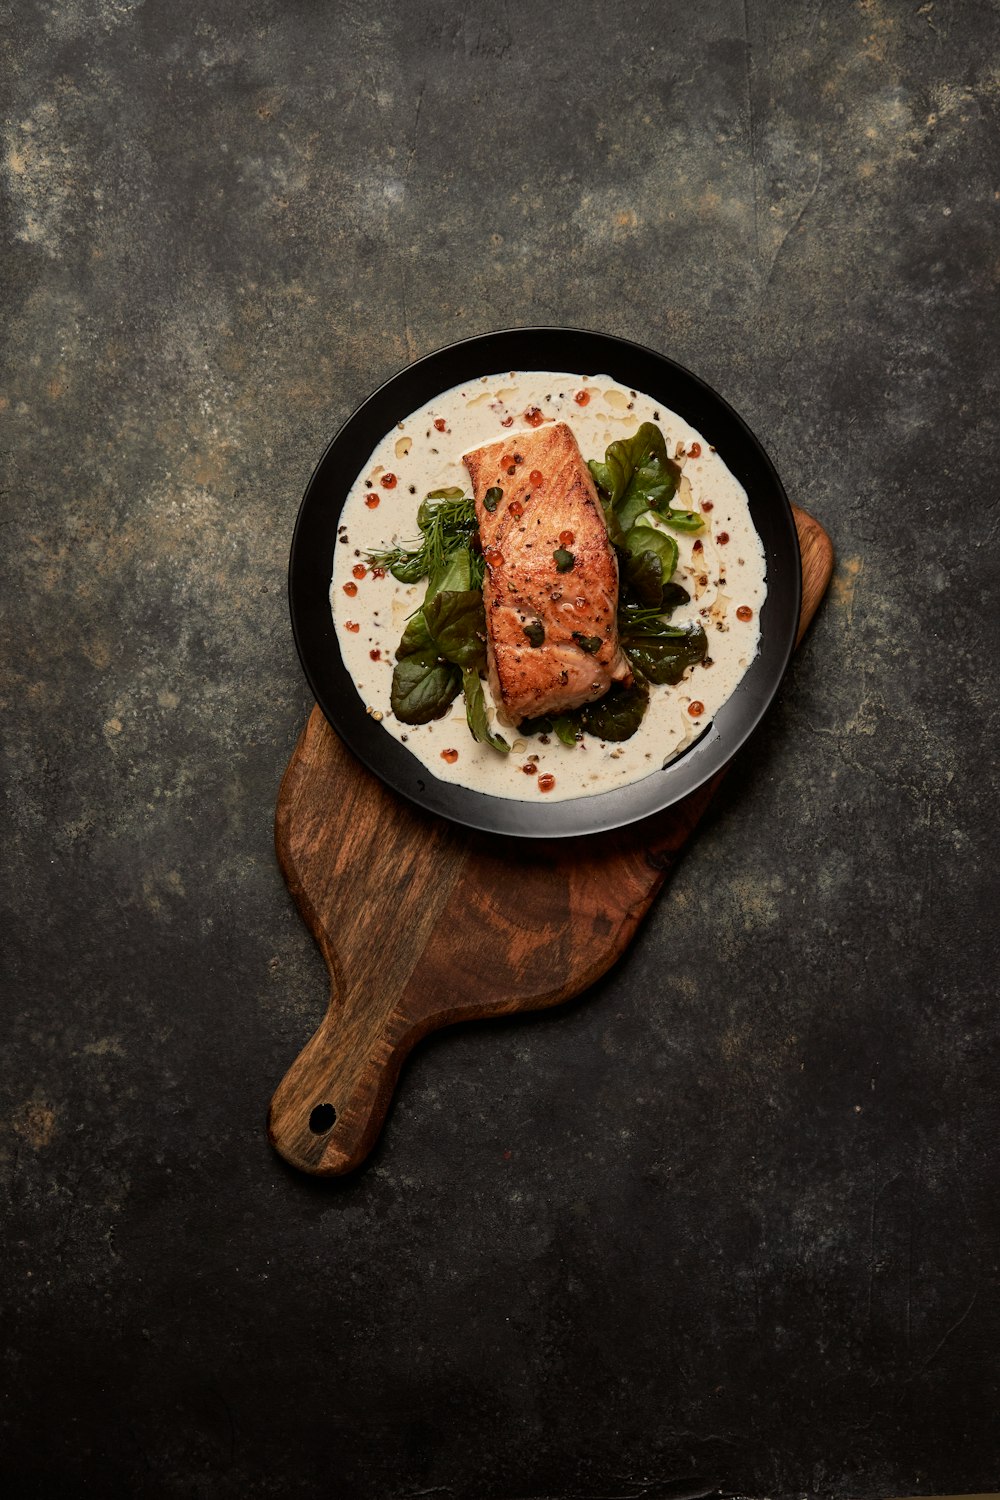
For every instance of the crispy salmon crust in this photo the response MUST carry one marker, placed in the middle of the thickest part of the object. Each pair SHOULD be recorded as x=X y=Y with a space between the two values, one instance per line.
x=552 y=635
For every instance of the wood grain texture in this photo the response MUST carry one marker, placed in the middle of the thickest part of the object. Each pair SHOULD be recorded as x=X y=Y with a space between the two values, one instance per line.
x=423 y=923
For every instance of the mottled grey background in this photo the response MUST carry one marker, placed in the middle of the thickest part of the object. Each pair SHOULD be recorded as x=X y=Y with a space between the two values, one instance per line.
x=729 y=1222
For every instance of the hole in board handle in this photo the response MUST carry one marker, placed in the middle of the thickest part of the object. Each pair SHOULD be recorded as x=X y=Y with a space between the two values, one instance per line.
x=322 y=1119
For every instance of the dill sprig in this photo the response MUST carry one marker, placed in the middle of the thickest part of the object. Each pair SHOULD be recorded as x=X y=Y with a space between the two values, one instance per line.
x=447 y=522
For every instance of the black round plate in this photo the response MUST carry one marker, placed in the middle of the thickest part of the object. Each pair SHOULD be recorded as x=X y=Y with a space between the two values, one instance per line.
x=583 y=353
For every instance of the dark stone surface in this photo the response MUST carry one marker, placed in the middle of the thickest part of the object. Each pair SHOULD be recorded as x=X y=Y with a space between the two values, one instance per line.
x=731 y=1221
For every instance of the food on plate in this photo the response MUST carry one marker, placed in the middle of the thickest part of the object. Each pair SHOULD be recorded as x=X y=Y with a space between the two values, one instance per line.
x=604 y=559
x=551 y=583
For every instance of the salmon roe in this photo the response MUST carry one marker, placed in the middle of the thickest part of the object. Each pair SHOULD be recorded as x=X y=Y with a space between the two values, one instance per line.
x=351 y=626
x=378 y=572
x=371 y=501
x=529 y=768
x=744 y=612
x=581 y=398
x=375 y=655
x=507 y=422
x=534 y=417
x=515 y=508
x=440 y=424
x=493 y=555
x=536 y=476
x=351 y=589
x=707 y=505
x=359 y=570
x=696 y=709
x=546 y=782
x=450 y=756
x=388 y=481
x=566 y=537
x=694 y=451
x=579 y=602
x=506 y=460
x=722 y=538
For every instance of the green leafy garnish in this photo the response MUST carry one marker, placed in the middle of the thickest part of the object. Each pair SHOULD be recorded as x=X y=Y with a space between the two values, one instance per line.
x=566 y=729
x=475 y=712
x=563 y=560
x=638 y=475
x=447 y=522
x=456 y=622
x=661 y=652
x=649 y=564
x=618 y=714
x=422 y=688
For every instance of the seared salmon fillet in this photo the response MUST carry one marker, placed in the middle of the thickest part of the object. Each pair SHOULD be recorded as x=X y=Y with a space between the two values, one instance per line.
x=551 y=585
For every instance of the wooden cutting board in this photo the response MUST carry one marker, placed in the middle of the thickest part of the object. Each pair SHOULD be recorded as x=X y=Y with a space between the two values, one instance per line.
x=422 y=922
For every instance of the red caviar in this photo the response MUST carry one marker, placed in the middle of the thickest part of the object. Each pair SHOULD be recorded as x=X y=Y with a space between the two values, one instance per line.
x=566 y=537
x=722 y=538
x=515 y=508
x=699 y=546
x=450 y=756
x=351 y=589
x=378 y=572
x=388 y=481
x=694 y=451
x=534 y=417
x=696 y=709
x=375 y=655
x=744 y=612
x=359 y=570
x=581 y=398
x=707 y=505
x=350 y=625
x=507 y=422
x=440 y=424
x=529 y=768
x=579 y=602
x=536 y=476
x=506 y=460
x=371 y=501
x=546 y=782
x=493 y=555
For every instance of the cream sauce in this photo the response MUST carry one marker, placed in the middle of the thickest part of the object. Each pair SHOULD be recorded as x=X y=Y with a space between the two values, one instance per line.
x=722 y=576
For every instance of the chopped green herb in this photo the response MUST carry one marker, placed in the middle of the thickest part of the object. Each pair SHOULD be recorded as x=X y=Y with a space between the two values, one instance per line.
x=535 y=631
x=563 y=560
x=589 y=643
x=492 y=498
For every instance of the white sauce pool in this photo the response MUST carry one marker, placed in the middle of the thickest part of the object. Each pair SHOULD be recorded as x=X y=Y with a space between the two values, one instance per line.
x=722 y=577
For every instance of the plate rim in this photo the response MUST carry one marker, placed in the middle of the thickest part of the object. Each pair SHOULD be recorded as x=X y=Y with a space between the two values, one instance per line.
x=575 y=816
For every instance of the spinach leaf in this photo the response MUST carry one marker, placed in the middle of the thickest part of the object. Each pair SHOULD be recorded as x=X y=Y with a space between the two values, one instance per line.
x=475 y=712
x=456 y=623
x=682 y=520
x=662 y=652
x=453 y=574
x=652 y=558
x=423 y=687
x=649 y=539
x=639 y=475
x=566 y=728
x=618 y=714
x=417 y=639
